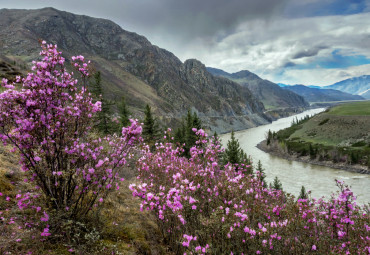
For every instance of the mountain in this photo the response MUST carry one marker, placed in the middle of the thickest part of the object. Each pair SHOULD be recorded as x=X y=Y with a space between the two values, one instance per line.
x=271 y=94
x=310 y=86
x=321 y=95
x=313 y=86
x=132 y=67
x=356 y=85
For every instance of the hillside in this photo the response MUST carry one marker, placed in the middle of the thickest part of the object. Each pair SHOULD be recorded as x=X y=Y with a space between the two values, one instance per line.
x=338 y=137
x=268 y=92
x=133 y=67
x=356 y=86
x=321 y=95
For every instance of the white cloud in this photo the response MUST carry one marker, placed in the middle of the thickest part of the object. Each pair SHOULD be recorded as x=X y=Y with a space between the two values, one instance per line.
x=319 y=77
x=267 y=47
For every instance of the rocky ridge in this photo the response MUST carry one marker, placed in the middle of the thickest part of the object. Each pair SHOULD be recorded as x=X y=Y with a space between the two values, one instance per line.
x=271 y=94
x=133 y=67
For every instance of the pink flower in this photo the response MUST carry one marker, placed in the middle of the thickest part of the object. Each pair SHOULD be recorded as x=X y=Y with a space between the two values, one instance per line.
x=100 y=163
x=192 y=200
x=46 y=231
x=314 y=247
x=45 y=218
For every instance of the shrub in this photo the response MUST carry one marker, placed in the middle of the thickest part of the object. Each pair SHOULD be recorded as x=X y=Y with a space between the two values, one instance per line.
x=49 y=122
x=203 y=208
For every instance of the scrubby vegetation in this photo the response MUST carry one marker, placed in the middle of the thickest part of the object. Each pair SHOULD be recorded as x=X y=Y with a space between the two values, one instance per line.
x=71 y=196
x=204 y=208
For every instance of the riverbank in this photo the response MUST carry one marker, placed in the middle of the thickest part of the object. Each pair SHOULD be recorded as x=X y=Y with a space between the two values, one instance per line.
x=277 y=151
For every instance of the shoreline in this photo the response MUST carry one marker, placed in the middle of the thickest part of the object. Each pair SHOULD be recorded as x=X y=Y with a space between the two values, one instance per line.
x=306 y=159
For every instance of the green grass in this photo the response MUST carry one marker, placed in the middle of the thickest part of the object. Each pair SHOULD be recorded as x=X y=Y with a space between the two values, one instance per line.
x=351 y=109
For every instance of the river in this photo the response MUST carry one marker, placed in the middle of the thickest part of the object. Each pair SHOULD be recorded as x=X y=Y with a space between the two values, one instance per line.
x=320 y=180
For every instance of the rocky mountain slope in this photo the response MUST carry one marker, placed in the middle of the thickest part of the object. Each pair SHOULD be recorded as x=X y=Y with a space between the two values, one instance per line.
x=321 y=95
x=268 y=92
x=356 y=86
x=132 y=67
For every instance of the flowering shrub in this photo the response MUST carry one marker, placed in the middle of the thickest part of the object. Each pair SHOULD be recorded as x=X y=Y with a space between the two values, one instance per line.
x=49 y=121
x=205 y=209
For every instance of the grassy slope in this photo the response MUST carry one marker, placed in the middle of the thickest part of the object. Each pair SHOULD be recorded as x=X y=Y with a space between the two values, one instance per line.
x=352 y=109
x=342 y=125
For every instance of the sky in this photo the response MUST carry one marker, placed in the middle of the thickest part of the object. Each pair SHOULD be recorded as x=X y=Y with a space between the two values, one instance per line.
x=310 y=42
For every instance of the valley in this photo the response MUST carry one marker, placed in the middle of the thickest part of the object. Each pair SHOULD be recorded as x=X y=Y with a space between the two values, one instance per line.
x=111 y=144
x=292 y=171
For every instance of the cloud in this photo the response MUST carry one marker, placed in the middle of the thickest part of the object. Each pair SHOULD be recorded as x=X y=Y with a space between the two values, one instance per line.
x=268 y=37
x=185 y=18
x=269 y=48
x=319 y=77
x=309 y=52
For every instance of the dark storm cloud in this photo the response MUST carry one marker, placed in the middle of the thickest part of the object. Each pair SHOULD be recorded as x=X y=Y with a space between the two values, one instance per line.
x=288 y=64
x=308 y=52
x=201 y=17
x=195 y=18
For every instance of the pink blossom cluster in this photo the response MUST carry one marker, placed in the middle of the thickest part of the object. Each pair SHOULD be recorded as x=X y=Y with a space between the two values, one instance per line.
x=204 y=208
x=47 y=116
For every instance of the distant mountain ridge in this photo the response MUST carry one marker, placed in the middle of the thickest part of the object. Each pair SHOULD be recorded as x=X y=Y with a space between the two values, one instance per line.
x=268 y=92
x=356 y=85
x=132 y=67
x=321 y=95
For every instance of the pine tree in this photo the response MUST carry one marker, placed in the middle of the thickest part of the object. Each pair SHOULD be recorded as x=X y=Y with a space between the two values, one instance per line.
x=262 y=175
x=215 y=136
x=150 y=128
x=269 y=137
x=303 y=194
x=104 y=122
x=233 y=150
x=277 y=184
x=179 y=136
x=234 y=154
x=123 y=113
x=185 y=134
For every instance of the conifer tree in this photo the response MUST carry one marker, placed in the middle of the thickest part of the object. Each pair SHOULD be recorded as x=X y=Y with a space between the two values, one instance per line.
x=262 y=175
x=179 y=136
x=215 y=136
x=234 y=154
x=123 y=113
x=277 y=184
x=184 y=134
x=233 y=150
x=104 y=122
x=192 y=121
x=269 y=137
x=150 y=127
x=303 y=194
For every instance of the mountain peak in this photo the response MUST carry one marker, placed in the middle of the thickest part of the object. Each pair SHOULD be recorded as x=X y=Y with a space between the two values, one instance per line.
x=194 y=63
x=245 y=74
